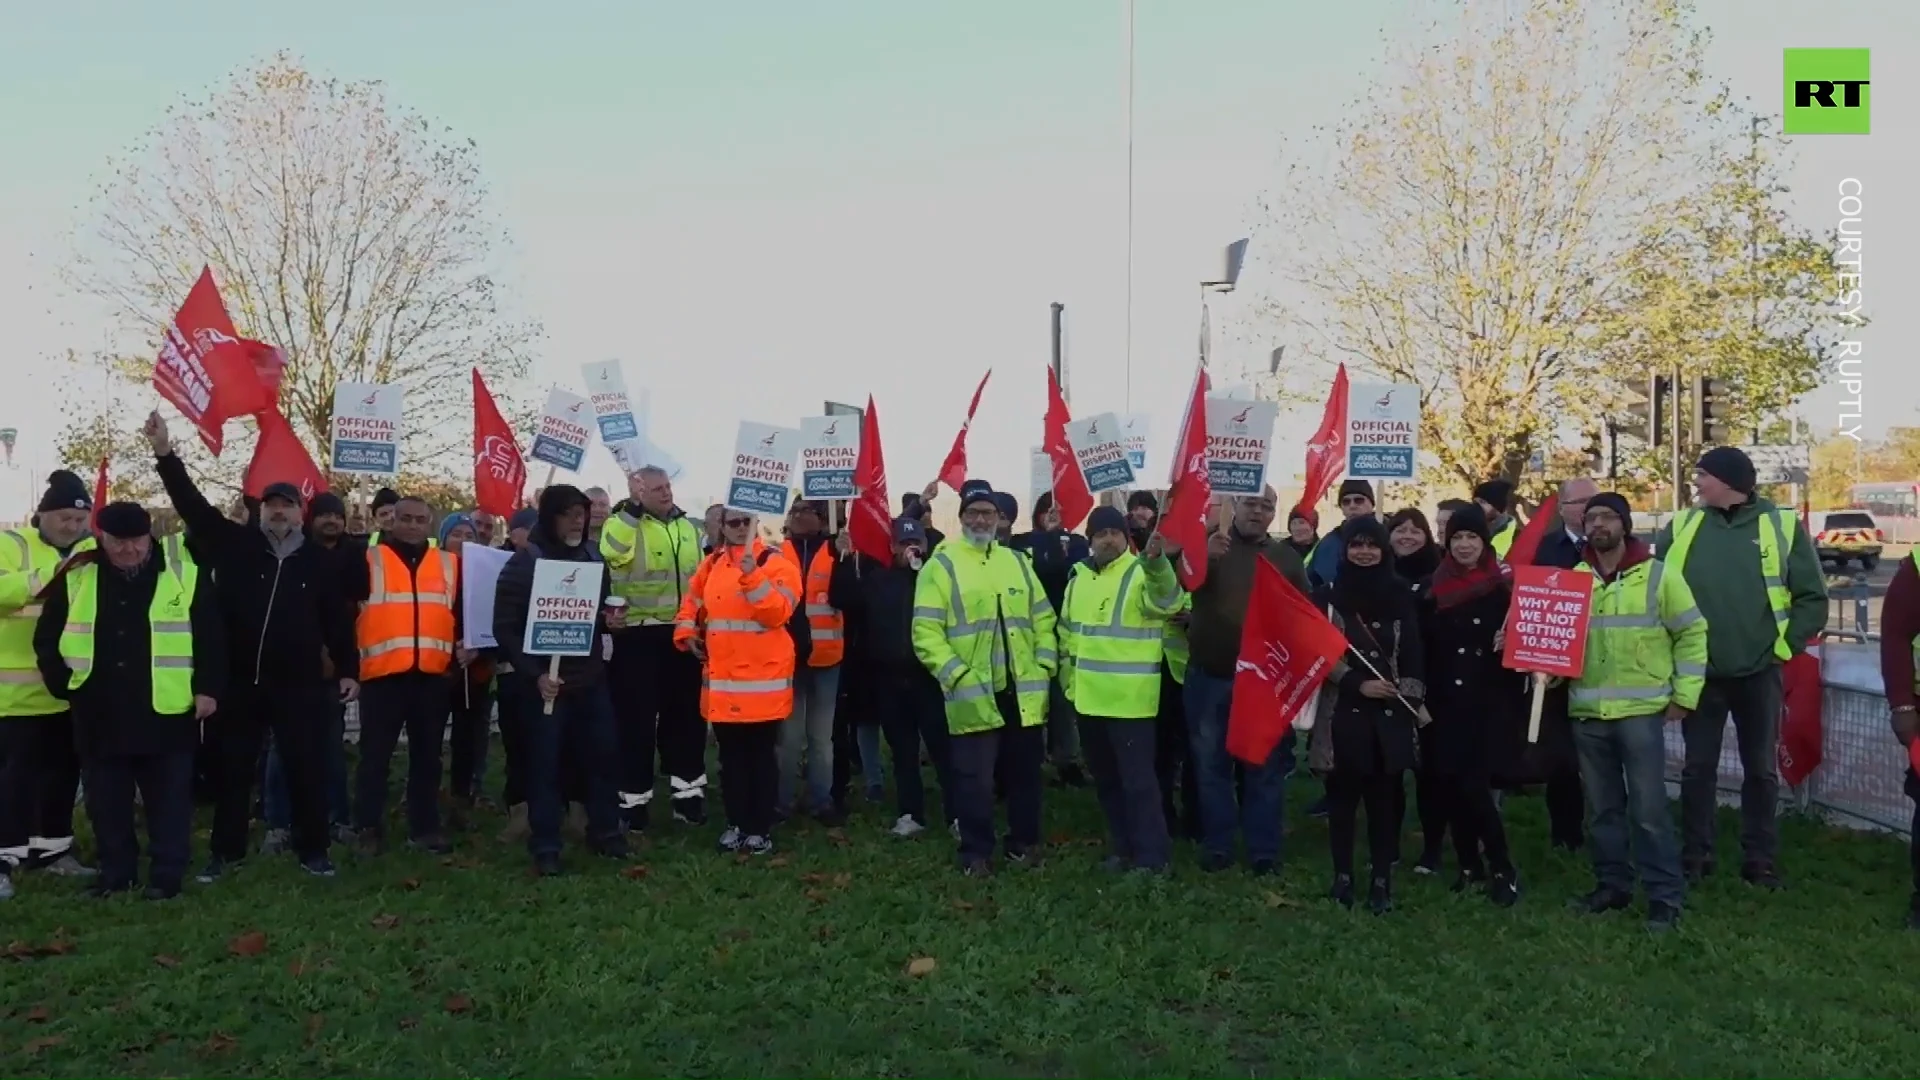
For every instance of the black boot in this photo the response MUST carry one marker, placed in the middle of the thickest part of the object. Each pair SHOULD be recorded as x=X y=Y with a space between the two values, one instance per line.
x=1380 y=894
x=1342 y=891
x=1503 y=889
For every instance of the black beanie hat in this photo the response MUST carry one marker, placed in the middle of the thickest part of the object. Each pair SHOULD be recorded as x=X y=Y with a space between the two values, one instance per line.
x=1731 y=466
x=1497 y=494
x=1617 y=503
x=326 y=503
x=65 y=491
x=1469 y=518
x=384 y=497
x=1042 y=504
x=1368 y=526
x=1103 y=518
x=125 y=520
x=1143 y=498
x=1357 y=487
x=1008 y=506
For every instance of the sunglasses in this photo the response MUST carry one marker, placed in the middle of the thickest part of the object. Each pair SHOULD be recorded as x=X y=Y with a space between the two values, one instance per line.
x=736 y=522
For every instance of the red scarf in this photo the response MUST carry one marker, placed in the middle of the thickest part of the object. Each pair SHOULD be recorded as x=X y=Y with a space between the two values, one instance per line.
x=1454 y=584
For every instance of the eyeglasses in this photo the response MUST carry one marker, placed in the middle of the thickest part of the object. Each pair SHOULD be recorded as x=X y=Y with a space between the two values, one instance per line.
x=736 y=523
x=980 y=514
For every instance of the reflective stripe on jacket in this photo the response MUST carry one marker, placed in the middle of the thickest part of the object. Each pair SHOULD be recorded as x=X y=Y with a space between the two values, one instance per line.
x=1503 y=540
x=1646 y=646
x=970 y=607
x=169 y=621
x=824 y=622
x=742 y=618
x=27 y=563
x=1113 y=634
x=650 y=563
x=407 y=623
x=1776 y=538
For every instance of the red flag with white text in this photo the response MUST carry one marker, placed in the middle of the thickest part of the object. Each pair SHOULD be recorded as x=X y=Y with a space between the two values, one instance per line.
x=280 y=458
x=205 y=368
x=953 y=471
x=871 y=525
x=1327 y=450
x=1070 y=494
x=1287 y=649
x=99 y=493
x=1190 y=489
x=499 y=471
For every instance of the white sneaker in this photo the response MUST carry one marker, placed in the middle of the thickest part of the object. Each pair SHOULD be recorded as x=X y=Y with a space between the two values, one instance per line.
x=732 y=838
x=906 y=826
x=69 y=866
x=954 y=828
x=757 y=845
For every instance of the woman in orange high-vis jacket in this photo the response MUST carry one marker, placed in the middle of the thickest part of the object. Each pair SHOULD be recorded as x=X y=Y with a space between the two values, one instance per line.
x=734 y=618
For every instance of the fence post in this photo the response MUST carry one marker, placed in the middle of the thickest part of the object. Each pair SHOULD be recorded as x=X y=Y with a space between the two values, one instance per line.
x=1860 y=594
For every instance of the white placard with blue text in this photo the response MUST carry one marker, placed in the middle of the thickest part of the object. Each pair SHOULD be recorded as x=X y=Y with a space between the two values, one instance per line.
x=762 y=472
x=1239 y=444
x=1039 y=473
x=366 y=429
x=563 y=614
x=1383 y=431
x=564 y=433
x=612 y=408
x=1099 y=445
x=829 y=452
x=1135 y=427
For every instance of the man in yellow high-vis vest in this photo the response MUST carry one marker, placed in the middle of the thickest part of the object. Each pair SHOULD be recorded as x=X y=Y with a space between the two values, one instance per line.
x=130 y=636
x=1756 y=576
x=39 y=770
x=1496 y=499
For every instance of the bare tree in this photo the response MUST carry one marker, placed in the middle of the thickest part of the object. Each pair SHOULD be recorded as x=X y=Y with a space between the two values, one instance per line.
x=1470 y=216
x=351 y=233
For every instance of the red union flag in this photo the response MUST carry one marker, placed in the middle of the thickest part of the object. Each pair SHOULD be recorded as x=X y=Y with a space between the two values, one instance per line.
x=499 y=472
x=871 y=526
x=1070 y=494
x=1327 y=450
x=953 y=471
x=279 y=458
x=1190 y=489
x=1287 y=649
x=1527 y=544
x=205 y=368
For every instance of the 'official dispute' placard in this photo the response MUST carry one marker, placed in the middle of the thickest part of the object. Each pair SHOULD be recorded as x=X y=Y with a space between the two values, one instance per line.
x=762 y=472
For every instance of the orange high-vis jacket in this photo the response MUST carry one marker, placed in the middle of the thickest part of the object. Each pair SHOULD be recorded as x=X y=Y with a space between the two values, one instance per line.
x=829 y=627
x=407 y=623
x=748 y=675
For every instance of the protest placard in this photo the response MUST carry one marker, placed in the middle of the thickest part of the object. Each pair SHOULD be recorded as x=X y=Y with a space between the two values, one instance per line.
x=1134 y=430
x=1383 y=431
x=762 y=472
x=565 y=608
x=366 y=429
x=1239 y=444
x=612 y=408
x=1039 y=473
x=480 y=568
x=829 y=451
x=563 y=435
x=1546 y=630
x=1098 y=446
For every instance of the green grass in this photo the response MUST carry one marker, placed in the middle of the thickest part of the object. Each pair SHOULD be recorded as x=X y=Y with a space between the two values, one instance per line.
x=705 y=965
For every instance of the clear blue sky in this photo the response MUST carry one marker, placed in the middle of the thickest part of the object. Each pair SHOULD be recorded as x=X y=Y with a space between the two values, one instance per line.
x=757 y=205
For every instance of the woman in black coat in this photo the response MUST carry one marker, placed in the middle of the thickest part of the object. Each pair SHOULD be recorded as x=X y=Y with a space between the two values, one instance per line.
x=1380 y=683
x=1416 y=555
x=1474 y=702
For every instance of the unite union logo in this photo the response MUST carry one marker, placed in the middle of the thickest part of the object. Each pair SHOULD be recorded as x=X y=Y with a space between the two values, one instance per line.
x=831 y=428
x=572 y=575
x=1383 y=405
x=1552 y=580
x=768 y=441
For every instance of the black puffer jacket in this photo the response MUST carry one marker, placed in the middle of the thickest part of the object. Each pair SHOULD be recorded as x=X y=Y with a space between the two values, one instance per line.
x=282 y=601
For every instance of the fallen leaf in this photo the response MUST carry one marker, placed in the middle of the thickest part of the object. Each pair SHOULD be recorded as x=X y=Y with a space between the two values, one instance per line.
x=815 y=895
x=963 y=905
x=836 y=834
x=1277 y=900
x=458 y=1004
x=297 y=968
x=45 y=1042
x=408 y=1023
x=635 y=872
x=842 y=880
x=166 y=961
x=251 y=943
x=738 y=933
x=219 y=1043
x=921 y=966
x=813 y=877
x=1060 y=839
x=385 y=922
x=777 y=861
x=38 y=1015
x=315 y=1021
x=60 y=945
x=410 y=884
x=462 y=862
x=1223 y=974
x=823 y=933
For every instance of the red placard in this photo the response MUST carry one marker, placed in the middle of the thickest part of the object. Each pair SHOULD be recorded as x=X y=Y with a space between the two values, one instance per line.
x=1547 y=623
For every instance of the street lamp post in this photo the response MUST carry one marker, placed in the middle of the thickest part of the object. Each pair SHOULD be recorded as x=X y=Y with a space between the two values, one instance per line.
x=1221 y=279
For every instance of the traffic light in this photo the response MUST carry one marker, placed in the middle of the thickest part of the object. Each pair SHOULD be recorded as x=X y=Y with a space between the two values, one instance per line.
x=1595 y=449
x=1710 y=407
x=1648 y=415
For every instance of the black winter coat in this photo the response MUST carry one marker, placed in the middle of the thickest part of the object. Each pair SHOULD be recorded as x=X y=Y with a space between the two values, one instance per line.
x=1475 y=701
x=879 y=599
x=513 y=595
x=1371 y=736
x=280 y=605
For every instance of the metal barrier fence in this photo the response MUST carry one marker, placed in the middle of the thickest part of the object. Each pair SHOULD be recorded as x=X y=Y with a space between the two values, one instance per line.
x=1861 y=779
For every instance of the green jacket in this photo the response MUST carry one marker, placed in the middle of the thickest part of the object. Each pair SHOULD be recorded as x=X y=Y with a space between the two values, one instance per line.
x=1722 y=569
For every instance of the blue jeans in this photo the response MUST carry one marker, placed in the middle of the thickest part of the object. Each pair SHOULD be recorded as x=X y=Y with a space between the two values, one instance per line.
x=808 y=734
x=280 y=805
x=1257 y=813
x=873 y=770
x=582 y=721
x=1623 y=768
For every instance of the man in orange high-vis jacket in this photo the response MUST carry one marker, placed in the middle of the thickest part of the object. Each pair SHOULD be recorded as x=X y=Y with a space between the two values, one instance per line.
x=409 y=635
x=819 y=642
x=733 y=619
